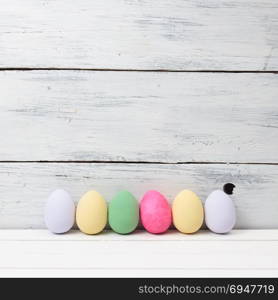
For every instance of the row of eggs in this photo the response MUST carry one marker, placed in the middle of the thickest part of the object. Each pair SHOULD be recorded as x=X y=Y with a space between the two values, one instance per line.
x=123 y=212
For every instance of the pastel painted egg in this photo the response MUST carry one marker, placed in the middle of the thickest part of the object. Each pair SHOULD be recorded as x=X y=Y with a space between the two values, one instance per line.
x=59 y=213
x=91 y=213
x=220 y=214
x=123 y=213
x=155 y=212
x=188 y=212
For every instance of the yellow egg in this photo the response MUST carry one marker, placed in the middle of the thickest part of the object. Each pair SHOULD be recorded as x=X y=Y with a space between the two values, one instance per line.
x=188 y=212
x=91 y=213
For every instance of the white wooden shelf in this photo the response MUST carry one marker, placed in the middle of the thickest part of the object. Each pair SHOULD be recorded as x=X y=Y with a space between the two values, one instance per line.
x=242 y=253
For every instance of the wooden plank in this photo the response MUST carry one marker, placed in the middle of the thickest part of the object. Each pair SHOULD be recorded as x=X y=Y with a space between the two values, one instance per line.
x=149 y=257
x=123 y=34
x=138 y=116
x=24 y=187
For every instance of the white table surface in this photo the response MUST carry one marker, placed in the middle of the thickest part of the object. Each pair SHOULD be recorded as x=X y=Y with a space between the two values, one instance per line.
x=39 y=253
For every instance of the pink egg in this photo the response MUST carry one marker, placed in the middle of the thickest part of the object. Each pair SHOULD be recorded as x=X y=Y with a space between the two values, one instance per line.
x=155 y=212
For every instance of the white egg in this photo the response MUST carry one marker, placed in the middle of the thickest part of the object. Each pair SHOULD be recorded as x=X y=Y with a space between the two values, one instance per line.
x=59 y=214
x=220 y=214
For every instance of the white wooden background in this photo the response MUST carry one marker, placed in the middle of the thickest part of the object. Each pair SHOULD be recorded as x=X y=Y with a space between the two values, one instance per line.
x=115 y=94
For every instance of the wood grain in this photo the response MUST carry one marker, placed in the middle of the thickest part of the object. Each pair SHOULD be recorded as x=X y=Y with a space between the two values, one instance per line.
x=171 y=255
x=138 y=116
x=124 y=34
x=88 y=125
x=24 y=187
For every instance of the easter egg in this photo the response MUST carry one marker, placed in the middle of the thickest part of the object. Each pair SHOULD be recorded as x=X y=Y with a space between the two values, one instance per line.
x=188 y=212
x=91 y=213
x=123 y=213
x=155 y=212
x=59 y=213
x=220 y=212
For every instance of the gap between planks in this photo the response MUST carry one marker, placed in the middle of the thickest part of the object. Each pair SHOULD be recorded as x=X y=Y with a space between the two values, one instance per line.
x=138 y=162
x=136 y=70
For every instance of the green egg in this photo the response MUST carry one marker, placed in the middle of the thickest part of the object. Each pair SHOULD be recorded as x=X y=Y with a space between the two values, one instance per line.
x=123 y=213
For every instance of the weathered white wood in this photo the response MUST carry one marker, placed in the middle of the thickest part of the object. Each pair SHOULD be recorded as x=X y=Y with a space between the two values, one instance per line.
x=168 y=34
x=74 y=254
x=138 y=116
x=24 y=187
